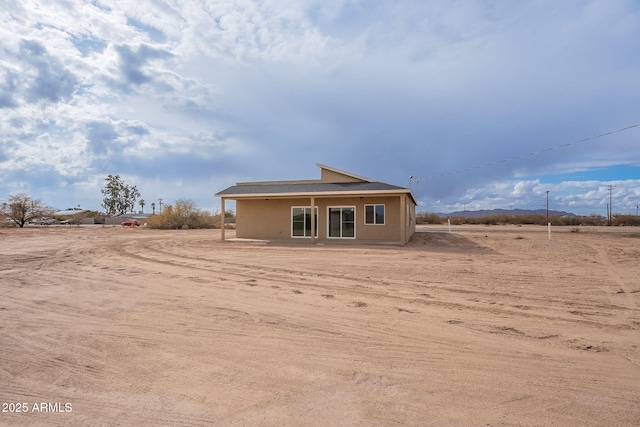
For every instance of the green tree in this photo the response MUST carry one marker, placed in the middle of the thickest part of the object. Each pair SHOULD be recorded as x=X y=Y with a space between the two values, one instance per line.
x=22 y=208
x=142 y=203
x=119 y=198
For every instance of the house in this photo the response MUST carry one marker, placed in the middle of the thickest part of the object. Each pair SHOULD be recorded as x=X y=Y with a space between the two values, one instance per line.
x=346 y=207
x=74 y=216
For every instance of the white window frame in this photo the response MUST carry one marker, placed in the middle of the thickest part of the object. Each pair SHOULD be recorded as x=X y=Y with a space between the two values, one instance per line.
x=329 y=219
x=305 y=228
x=384 y=214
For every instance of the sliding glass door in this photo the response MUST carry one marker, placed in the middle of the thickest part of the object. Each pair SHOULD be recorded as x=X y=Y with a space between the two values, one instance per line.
x=342 y=222
x=301 y=222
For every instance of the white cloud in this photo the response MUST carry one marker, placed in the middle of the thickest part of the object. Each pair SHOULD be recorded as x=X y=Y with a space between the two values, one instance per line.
x=240 y=88
x=580 y=197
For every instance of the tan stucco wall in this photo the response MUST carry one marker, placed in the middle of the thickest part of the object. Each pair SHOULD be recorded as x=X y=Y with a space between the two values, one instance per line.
x=331 y=176
x=265 y=219
x=271 y=219
x=412 y=219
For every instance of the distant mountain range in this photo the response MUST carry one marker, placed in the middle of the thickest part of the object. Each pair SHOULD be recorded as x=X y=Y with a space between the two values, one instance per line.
x=494 y=212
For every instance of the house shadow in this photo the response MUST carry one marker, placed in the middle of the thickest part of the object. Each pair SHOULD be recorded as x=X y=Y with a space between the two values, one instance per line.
x=441 y=241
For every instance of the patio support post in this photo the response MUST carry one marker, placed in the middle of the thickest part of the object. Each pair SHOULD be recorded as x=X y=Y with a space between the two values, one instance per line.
x=403 y=219
x=222 y=218
x=313 y=219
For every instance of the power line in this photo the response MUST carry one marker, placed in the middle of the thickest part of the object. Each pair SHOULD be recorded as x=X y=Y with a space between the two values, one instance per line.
x=413 y=179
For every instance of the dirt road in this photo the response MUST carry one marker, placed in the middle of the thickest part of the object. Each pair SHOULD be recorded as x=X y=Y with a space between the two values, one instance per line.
x=481 y=326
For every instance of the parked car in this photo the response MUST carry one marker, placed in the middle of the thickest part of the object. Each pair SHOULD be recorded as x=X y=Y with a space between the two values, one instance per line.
x=130 y=223
x=8 y=222
x=45 y=220
x=65 y=221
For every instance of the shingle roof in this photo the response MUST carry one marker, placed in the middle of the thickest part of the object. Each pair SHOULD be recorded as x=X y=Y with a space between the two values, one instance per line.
x=308 y=188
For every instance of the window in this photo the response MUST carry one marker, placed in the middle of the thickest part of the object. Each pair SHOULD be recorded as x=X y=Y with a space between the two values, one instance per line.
x=301 y=222
x=374 y=214
x=342 y=223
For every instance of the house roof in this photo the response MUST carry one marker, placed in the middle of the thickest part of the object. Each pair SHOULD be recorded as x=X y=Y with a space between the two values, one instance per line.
x=312 y=188
x=69 y=212
x=305 y=188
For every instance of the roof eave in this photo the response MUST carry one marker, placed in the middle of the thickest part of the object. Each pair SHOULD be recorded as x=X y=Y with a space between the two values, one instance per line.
x=316 y=194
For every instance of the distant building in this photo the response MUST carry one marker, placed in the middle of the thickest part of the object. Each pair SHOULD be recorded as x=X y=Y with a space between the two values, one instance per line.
x=74 y=215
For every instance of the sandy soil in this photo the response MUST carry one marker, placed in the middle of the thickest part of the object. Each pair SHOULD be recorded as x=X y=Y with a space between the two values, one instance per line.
x=481 y=326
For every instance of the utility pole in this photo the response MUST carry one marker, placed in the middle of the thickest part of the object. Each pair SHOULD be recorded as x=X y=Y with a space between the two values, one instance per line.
x=160 y=199
x=610 y=188
x=547 y=206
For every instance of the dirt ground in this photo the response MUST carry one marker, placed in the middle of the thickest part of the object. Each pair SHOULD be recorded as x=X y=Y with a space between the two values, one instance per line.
x=483 y=326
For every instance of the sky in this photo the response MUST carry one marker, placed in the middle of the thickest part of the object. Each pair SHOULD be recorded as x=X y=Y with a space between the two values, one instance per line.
x=185 y=98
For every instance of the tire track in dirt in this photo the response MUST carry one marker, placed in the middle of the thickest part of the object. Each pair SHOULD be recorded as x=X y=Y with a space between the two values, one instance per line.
x=244 y=273
x=375 y=289
x=106 y=255
x=621 y=286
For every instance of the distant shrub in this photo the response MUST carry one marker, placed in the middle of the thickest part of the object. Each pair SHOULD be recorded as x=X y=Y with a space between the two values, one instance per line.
x=630 y=220
x=429 y=218
x=532 y=219
x=575 y=229
x=183 y=215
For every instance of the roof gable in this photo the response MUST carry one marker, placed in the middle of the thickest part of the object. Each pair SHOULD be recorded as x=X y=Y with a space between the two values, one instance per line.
x=329 y=174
